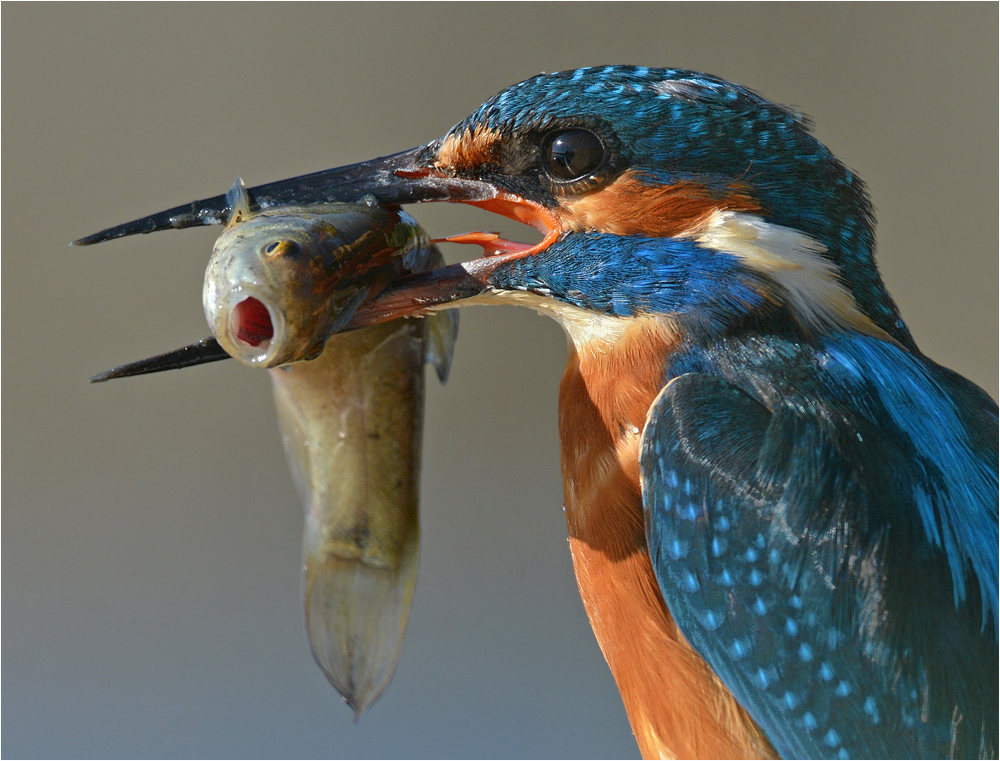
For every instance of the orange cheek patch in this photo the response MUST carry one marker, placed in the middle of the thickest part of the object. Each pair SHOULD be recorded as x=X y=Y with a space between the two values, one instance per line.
x=468 y=150
x=629 y=206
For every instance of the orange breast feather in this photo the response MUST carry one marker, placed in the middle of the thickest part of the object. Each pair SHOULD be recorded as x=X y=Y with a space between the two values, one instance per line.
x=678 y=708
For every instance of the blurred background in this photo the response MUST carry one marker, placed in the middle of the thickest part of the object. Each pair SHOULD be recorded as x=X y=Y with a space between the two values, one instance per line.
x=151 y=532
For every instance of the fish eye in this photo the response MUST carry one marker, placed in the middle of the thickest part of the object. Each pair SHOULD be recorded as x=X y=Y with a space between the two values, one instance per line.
x=281 y=248
x=572 y=154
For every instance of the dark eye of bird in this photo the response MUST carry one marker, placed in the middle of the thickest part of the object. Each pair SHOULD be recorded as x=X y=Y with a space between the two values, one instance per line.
x=572 y=154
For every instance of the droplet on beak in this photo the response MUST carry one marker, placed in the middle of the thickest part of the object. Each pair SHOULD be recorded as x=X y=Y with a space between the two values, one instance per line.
x=253 y=322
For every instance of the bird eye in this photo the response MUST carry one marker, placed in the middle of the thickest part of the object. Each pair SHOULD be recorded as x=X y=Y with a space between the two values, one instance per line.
x=572 y=154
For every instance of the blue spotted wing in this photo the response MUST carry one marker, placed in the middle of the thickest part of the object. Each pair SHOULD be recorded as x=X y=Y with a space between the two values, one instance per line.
x=820 y=560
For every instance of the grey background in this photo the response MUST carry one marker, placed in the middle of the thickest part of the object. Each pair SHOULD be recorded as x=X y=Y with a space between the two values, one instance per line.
x=151 y=531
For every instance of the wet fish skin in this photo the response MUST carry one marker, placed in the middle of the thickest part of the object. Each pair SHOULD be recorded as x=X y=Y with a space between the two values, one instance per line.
x=309 y=268
x=351 y=416
x=351 y=422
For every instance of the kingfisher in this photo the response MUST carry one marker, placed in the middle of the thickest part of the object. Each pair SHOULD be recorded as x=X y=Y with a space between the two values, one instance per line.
x=782 y=515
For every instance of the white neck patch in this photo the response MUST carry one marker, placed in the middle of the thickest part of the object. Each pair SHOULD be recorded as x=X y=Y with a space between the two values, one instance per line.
x=810 y=283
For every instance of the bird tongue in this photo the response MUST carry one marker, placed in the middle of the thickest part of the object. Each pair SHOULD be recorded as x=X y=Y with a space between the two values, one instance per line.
x=492 y=243
x=520 y=210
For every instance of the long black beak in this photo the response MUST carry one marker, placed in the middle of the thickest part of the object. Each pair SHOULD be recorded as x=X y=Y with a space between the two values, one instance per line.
x=438 y=287
x=206 y=350
x=406 y=177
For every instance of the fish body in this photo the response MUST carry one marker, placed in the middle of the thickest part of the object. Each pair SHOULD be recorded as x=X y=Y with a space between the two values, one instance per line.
x=350 y=406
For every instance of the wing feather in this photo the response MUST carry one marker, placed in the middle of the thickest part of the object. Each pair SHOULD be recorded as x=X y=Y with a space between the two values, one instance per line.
x=830 y=546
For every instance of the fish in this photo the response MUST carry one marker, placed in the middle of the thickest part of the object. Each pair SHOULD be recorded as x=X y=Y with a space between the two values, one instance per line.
x=279 y=287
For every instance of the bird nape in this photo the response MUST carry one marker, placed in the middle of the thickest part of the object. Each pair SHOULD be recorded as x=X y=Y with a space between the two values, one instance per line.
x=782 y=516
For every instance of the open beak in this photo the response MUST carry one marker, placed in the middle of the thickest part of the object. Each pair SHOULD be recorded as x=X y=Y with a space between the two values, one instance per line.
x=402 y=178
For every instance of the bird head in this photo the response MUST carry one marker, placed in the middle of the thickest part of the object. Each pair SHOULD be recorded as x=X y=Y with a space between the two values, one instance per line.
x=658 y=191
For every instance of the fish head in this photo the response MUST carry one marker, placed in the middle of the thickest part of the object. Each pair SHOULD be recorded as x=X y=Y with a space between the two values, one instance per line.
x=281 y=281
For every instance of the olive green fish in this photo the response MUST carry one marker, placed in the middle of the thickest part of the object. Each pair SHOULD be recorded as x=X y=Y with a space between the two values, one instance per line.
x=280 y=284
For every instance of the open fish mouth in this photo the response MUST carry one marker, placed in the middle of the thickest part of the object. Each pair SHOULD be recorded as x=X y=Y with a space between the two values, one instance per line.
x=249 y=327
x=252 y=323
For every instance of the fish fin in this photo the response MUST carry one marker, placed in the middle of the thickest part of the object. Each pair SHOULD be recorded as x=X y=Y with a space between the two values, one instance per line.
x=356 y=617
x=238 y=199
x=440 y=334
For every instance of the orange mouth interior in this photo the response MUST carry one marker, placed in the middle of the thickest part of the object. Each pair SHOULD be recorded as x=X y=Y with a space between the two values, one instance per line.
x=508 y=205
x=470 y=278
x=520 y=210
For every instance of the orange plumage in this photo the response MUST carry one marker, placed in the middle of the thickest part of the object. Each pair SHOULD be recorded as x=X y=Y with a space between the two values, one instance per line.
x=678 y=708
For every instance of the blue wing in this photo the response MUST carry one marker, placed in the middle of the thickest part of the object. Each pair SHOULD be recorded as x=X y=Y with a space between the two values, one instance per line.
x=823 y=526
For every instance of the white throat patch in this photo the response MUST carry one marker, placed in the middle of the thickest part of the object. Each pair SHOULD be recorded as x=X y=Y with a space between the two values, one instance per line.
x=582 y=326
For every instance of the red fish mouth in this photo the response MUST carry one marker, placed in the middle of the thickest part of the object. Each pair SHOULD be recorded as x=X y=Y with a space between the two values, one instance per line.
x=252 y=321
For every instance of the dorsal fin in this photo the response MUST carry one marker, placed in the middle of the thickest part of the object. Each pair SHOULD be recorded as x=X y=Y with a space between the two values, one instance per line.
x=238 y=200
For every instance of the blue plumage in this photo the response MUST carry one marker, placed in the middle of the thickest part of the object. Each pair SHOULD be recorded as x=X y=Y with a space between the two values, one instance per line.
x=823 y=522
x=674 y=125
x=626 y=276
x=820 y=498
